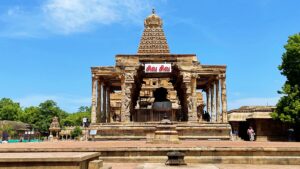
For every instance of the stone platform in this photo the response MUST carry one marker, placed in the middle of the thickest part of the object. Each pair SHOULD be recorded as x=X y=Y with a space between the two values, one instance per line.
x=162 y=166
x=139 y=131
x=215 y=152
x=50 y=160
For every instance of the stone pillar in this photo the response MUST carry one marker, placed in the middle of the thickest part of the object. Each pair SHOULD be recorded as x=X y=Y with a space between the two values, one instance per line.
x=208 y=99
x=193 y=99
x=99 y=101
x=93 y=114
x=104 y=104
x=218 y=101
x=189 y=84
x=126 y=84
x=224 y=98
x=212 y=91
x=108 y=105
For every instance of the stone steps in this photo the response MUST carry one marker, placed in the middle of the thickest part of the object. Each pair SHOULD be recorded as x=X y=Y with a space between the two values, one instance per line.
x=100 y=138
x=279 y=160
x=226 y=155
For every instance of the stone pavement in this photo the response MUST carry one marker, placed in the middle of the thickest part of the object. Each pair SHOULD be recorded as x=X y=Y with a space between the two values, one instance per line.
x=199 y=166
x=285 y=152
x=83 y=145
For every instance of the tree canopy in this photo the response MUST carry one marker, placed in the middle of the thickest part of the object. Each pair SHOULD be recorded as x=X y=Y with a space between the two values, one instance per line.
x=40 y=117
x=75 y=119
x=9 y=110
x=288 y=108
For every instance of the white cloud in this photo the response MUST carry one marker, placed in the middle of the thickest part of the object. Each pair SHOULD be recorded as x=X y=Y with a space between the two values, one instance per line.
x=66 y=102
x=71 y=16
x=255 y=101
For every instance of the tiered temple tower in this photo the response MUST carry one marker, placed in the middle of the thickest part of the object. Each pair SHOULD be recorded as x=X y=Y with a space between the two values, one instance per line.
x=124 y=94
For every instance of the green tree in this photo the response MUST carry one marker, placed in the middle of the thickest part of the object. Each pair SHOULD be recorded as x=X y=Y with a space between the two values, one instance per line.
x=9 y=110
x=288 y=108
x=31 y=115
x=41 y=117
x=76 y=132
x=85 y=109
x=75 y=119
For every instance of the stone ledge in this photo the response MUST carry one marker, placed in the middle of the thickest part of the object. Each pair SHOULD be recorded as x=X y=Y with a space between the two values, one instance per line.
x=281 y=160
x=47 y=157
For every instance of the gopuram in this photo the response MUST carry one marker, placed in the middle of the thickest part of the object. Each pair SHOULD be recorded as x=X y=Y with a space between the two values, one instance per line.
x=131 y=98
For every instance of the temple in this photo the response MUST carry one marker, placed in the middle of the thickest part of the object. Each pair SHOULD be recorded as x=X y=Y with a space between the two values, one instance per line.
x=132 y=97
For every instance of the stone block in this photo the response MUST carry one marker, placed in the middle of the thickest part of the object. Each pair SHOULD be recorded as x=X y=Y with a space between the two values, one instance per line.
x=96 y=164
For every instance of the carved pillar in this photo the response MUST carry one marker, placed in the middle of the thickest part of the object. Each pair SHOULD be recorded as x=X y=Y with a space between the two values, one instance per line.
x=224 y=98
x=93 y=114
x=212 y=91
x=208 y=99
x=104 y=114
x=108 y=105
x=189 y=83
x=193 y=99
x=218 y=101
x=126 y=83
x=123 y=106
x=99 y=101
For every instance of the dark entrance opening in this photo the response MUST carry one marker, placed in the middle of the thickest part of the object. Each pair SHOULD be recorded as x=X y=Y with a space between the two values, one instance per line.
x=160 y=95
x=243 y=130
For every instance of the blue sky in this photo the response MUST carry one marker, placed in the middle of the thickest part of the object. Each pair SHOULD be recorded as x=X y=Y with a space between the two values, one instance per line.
x=47 y=47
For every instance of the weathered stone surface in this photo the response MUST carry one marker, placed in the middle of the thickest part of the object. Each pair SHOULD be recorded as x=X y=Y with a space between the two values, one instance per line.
x=162 y=166
x=47 y=160
x=96 y=164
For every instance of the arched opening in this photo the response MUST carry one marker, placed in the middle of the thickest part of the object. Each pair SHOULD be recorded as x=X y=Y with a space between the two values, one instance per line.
x=150 y=88
x=160 y=95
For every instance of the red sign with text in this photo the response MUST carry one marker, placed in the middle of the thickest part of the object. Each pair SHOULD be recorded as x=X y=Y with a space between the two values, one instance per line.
x=158 y=68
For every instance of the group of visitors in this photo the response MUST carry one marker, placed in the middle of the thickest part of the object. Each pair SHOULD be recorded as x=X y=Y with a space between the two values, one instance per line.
x=250 y=132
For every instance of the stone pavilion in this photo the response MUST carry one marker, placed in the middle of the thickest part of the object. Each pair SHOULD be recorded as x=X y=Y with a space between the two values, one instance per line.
x=132 y=97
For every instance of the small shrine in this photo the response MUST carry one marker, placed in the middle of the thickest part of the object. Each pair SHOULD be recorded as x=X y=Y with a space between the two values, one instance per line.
x=54 y=129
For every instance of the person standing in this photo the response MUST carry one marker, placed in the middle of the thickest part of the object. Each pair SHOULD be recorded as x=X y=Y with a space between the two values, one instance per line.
x=251 y=133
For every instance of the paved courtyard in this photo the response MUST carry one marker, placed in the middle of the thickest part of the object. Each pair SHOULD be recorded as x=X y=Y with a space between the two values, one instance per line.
x=141 y=144
x=199 y=166
x=110 y=145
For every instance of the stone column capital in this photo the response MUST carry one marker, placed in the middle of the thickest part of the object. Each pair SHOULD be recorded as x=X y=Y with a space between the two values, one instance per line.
x=222 y=76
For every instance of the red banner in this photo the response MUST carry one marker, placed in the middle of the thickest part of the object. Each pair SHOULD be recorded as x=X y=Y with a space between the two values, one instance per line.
x=158 y=68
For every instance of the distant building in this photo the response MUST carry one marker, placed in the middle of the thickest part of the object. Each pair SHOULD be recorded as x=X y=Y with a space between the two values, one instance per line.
x=259 y=118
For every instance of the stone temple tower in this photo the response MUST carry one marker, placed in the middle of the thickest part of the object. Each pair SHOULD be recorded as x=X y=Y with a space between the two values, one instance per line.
x=153 y=40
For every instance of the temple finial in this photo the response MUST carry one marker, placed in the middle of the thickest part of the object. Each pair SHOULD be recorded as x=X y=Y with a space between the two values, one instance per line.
x=153 y=11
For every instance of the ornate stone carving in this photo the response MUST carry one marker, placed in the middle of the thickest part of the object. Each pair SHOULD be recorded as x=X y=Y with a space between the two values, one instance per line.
x=190 y=103
x=55 y=123
x=126 y=96
x=194 y=75
x=153 y=40
x=54 y=127
x=186 y=76
x=192 y=109
x=129 y=76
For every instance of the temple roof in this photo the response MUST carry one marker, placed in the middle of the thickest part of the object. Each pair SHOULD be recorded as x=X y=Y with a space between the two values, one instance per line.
x=153 y=40
x=250 y=112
